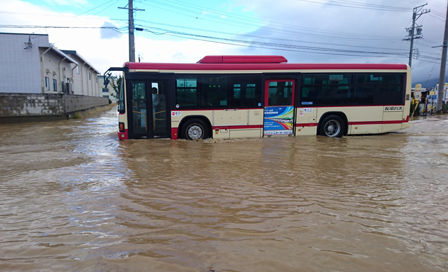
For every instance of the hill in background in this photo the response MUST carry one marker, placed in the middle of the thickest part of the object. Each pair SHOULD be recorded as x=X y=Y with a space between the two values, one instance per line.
x=427 y=83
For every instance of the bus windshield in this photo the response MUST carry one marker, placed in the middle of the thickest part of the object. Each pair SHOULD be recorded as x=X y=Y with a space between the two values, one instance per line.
x=121 y=95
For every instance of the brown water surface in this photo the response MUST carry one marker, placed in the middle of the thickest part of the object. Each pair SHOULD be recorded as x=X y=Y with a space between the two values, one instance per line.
x=74 y=198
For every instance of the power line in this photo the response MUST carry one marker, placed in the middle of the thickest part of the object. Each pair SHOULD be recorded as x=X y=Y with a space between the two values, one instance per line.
x=278 y=45
x=94 y=8
x=416 y=14
x=242 y=21
x=264 y=37
x=353 y=4
x=113 y=3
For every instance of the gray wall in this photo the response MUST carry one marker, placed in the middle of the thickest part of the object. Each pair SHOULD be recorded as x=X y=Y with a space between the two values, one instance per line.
x=59 y=106
x=75 y=103
x=20 y=70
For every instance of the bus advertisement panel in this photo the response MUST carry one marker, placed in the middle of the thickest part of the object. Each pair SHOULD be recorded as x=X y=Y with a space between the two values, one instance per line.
x=278 y=120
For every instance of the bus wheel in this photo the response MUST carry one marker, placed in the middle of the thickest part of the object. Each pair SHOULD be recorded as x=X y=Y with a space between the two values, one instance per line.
x=332 y=126
x=195 y=129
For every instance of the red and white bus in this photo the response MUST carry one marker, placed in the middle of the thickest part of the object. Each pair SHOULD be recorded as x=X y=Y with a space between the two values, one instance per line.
x=224 y=97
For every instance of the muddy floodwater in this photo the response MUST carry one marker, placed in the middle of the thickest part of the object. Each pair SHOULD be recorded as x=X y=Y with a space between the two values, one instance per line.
x=74 y=198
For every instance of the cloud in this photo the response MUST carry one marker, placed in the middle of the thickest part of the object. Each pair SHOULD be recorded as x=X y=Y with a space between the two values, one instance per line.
x=103 y=48
x=307 y=23
x=111 y=32
x=205 y=12
x=293 y=23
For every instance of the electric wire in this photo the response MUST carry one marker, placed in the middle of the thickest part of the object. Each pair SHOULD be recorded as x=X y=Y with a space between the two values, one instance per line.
x=283 y=46
x=94 y=8
x=245 y=22
x=113 y=3
x=353 y=4
x=263 y=37
x=244 y=19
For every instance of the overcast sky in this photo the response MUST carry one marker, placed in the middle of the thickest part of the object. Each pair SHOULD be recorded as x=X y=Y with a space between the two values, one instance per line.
x=304 y=31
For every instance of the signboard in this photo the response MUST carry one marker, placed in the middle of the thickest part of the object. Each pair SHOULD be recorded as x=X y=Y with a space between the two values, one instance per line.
x=278 y=120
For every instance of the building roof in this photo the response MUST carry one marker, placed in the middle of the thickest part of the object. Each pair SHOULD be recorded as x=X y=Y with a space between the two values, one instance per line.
x=27 y=34
x=73 y=52
x=60 y=53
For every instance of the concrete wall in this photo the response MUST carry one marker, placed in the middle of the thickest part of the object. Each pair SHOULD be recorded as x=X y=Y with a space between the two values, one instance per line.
x=75 y=103
x=32 y=107
x=20 y=62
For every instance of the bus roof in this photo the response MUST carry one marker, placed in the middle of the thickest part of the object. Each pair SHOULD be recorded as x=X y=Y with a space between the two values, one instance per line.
x=243 y=59
x=228 y=63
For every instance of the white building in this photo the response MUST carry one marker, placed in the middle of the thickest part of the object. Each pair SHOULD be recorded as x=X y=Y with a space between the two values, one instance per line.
x=30 y=64
x=85 y=75
x=108 y=92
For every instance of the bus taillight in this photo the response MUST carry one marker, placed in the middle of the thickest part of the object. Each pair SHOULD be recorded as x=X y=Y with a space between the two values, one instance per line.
x=121 y=127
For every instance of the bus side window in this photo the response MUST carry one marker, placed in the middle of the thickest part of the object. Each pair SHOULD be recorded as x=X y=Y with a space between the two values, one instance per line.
x=245 y=92
x=186 y=92
x=306 y=91
x=214 y=91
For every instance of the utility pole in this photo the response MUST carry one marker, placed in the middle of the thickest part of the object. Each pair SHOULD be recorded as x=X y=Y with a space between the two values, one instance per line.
x=415 y=15
x=131 y=9
x=443 y=65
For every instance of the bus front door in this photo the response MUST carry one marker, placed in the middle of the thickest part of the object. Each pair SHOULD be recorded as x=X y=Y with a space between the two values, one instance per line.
x=138 y=117
x=149 y=116
x=279 y=107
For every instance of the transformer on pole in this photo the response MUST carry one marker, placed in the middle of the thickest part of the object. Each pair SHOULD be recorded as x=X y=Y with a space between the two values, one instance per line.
x=418 y=11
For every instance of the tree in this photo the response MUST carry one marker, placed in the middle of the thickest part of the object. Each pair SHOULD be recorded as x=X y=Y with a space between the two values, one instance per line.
x=116 y=84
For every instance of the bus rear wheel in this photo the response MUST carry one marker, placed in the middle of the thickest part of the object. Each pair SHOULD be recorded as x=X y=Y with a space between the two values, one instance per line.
x=195 y=129
x=332 y=126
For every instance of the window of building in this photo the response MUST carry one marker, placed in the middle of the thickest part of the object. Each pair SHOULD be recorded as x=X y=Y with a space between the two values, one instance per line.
x=55 y=85
x=77 y=69
x=89 y=76
x=47 y=83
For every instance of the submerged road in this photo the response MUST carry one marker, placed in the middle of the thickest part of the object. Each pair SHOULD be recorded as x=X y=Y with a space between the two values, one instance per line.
x=74 y=198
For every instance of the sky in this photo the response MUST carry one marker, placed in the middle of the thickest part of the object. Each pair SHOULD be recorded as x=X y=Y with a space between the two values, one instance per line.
x=304 y=31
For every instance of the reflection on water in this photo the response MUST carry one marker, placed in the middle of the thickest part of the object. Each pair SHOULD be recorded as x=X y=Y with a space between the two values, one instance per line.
x=75 y=198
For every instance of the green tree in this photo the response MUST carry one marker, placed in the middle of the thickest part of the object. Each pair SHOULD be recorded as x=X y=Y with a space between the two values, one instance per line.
x=116 y=85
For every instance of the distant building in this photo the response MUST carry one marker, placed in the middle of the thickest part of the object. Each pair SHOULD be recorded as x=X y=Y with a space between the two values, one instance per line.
x=85 y=75
x=108 y=92
x=39 y=82
x=30 y=64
